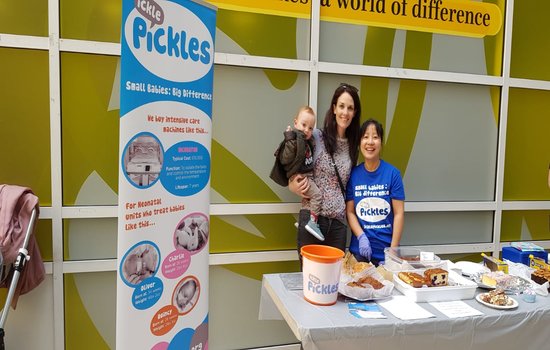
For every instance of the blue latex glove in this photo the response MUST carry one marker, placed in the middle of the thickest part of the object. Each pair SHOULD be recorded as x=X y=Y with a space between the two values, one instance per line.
x=364 y=246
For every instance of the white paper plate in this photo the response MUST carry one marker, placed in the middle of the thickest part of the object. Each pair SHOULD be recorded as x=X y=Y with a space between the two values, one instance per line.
x=484 y=286
x=512 y=303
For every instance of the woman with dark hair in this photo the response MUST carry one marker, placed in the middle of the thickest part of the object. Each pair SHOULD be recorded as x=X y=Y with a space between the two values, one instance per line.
x=375 y=199
x=334 y=156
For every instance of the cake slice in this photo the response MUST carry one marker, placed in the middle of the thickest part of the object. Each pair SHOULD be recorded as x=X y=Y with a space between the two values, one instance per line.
x=496 y=297
x=376 y=284
x=496 y=278
x=437 y=277
x=412 y=278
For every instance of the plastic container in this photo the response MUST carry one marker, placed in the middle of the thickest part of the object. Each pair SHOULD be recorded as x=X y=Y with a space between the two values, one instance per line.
x=519 y=256
x=321 y=267
x=529 y=295
x=409 y=258
x=465 y=289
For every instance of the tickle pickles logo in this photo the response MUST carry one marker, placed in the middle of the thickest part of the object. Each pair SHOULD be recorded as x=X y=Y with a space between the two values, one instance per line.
x=372 y=209
x=314 y=285
x=169 y=40
x=150 y=10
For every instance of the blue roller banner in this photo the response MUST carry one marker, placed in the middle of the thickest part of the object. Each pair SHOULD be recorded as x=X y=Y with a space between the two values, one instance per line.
x=167 y=69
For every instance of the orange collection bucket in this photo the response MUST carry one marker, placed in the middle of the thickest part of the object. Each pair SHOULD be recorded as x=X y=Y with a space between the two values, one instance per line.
x=321 y=267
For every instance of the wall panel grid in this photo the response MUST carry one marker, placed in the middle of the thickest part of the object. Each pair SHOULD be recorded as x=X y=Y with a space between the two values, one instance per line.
x=314 y=68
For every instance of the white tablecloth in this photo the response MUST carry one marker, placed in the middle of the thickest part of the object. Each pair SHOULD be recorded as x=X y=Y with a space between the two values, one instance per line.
x=334 y=328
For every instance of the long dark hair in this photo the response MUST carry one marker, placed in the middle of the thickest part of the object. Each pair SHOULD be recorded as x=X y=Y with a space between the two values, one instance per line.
x=352 y=131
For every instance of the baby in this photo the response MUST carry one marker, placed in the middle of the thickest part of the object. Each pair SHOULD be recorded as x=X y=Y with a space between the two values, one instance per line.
x=185 y=295
x=140 y=264
x=189 y=235
x=295 y=154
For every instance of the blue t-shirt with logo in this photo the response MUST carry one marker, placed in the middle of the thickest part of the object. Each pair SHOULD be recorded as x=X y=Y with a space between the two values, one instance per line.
x=372 y=194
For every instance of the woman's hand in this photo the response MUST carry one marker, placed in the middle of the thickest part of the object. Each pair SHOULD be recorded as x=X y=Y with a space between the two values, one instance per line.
x=364 y=246
x=365 y=249
x=299 y=185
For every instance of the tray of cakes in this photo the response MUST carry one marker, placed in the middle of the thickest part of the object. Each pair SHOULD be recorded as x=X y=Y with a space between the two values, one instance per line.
x=541 y=276
x=362 y=281
x=410 y=258
x=434 y=284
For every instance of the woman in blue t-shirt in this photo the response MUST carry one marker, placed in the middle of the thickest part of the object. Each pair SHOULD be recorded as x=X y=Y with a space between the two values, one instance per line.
x=375 y=199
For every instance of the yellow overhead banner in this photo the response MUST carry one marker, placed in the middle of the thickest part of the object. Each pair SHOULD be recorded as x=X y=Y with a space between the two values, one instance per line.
x=454 y=17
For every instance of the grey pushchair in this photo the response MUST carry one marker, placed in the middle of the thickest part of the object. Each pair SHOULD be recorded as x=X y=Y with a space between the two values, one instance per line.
x=15 y=269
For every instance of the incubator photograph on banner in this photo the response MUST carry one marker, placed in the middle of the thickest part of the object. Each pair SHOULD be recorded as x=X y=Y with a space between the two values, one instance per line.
x=143 y=160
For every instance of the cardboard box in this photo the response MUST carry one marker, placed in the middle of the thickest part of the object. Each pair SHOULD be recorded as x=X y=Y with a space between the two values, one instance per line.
x=538 y=263
x=519 y=256
x=494 y=264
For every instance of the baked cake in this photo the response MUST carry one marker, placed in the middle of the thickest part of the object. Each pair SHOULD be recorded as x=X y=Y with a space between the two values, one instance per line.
x=541 y=276
x=376 y=284
x=496 y=278
x=411 y=258
x=414 y=279
x=496 y=297
x=437 y=277
x=360 y=266
x=367 y=280
x=351 y=266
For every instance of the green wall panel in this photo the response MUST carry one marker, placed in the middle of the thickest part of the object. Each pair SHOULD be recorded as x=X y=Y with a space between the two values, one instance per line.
x=98 y=20
x=90 y=321
x=25 y=121
x=527 y=145
x=530 y=40
x=90 y=129
x=525 y=225
x=24 y=17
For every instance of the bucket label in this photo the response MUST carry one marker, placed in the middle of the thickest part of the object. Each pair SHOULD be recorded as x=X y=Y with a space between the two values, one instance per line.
x=315 y=286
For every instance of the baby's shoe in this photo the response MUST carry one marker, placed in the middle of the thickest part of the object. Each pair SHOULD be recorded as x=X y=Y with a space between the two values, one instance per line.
x=296 y=224
x=314 y=229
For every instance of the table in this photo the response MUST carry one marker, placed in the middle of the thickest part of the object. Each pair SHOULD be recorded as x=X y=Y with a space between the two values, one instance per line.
x=334 y=328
